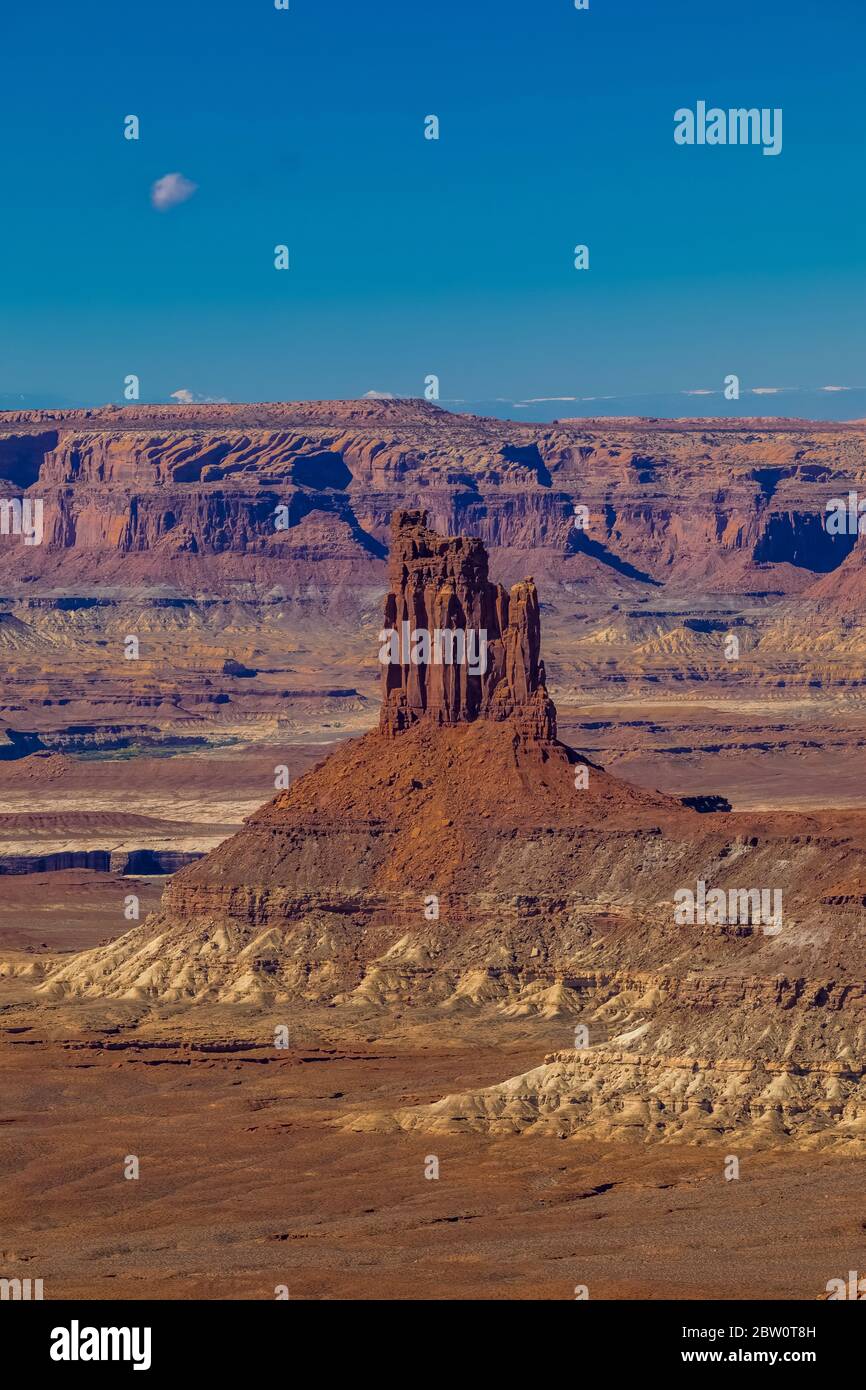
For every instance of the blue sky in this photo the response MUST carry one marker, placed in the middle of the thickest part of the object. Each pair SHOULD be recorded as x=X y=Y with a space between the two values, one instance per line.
x=454 y=257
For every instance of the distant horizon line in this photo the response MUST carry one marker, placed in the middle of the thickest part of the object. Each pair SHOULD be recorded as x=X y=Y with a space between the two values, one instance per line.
x=443 y=407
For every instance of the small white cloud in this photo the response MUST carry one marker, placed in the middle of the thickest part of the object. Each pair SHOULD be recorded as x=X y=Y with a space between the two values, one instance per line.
x=767 y=390
x=539 y=400
x=701 y=391
x=834 y=388
x=378 y=396
x=170 y=190
x=186 y=397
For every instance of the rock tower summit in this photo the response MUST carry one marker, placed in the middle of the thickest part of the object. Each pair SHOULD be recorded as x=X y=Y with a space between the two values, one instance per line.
x=439 y=584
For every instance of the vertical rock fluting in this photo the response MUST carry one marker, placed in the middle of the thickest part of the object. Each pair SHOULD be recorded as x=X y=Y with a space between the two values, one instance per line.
x=440 y=584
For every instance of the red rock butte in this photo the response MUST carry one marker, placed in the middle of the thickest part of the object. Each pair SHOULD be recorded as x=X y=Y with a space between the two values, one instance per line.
x=550 y=893
x=440 y=583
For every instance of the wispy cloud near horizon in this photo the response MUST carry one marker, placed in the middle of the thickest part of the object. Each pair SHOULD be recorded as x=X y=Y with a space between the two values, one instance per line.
x=186 y=397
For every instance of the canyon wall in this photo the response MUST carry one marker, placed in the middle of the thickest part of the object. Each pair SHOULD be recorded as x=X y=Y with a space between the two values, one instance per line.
x=146 y=493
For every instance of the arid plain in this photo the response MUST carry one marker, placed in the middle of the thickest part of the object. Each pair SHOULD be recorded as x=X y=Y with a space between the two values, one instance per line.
x=247 y=550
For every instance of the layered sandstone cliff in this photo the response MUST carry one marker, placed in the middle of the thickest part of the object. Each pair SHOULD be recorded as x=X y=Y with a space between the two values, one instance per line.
x=242 y=533
x=150 y=493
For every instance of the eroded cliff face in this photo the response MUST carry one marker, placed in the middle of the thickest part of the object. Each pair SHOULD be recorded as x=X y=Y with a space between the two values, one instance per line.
x=259 y=536
x=147 y=493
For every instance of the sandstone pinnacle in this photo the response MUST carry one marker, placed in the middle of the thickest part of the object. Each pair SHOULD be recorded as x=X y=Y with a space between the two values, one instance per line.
x=440 y=585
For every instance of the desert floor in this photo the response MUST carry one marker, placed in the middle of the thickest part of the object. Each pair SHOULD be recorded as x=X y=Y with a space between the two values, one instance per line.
x=254 y=1170
x=252 y=1176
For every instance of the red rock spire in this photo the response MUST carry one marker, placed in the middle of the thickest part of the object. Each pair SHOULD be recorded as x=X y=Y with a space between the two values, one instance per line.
x=440 y=584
